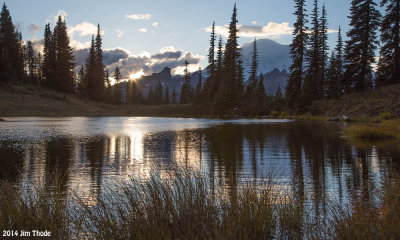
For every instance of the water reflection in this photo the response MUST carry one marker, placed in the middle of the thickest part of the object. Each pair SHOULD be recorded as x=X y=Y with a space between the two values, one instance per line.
x=312 y=160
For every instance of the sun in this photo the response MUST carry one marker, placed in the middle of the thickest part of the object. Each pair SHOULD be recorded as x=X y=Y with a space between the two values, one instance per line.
x=137 y=75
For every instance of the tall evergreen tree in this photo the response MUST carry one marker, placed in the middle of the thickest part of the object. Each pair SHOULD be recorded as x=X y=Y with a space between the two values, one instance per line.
x=261 y=96
x=173 y=97
x=12 y=65
x=324 y=49
x=297 y=51
x=209 y=83
x=199 y=86
x=332 y=85
x=219 y=70
x=339 y=65
x=312 y=83
x=186 y=91
x=99 y=67
x=389 y=62
x=65 y=62
x=117 y=87
x=166 y=95
x=81 y=80
x=158 y=94
x=30 y=62
x=229 y=92
x=360 y=48
x=252 y=81
x=91 y=75
x=279 y=100
x=49 y=58
x=109 y=92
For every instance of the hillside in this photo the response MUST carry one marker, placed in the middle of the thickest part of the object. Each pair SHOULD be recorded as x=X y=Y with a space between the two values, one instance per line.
x=17 y=100
x=362 y=105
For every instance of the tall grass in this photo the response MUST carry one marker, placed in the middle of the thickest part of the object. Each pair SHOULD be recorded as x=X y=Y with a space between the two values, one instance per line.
x=388 y=129
x=185 y=207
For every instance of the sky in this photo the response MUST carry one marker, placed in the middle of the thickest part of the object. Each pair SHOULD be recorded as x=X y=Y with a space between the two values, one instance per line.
x=144 y=36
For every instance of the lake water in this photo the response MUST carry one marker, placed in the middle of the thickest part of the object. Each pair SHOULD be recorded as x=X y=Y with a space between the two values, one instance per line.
x=312 y=160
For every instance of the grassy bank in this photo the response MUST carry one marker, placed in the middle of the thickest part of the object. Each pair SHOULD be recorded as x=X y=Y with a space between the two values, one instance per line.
x=20 y=100
x=185 y=208
x=383 y=130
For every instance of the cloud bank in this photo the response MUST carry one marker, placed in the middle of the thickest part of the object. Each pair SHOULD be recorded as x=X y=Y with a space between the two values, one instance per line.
x=146 y=16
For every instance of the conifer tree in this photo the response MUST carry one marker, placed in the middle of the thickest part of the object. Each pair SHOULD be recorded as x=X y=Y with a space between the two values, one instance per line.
x=99 y=67
x=332 y=86
x=312 y=83
x=30 y=62
x=279 y=100
x=158 y=94
x=109 y=93
x=12 y=62
x=91 y=71
x=297 y=51
x=219 y=70
x=252 y=81
x=173 y=97
x=81 y=80
x=117 y=87
x=229 y=94
x=360 y=48
x=38 y=69
x=324 y=50
x=65 y=62
x=197 y=91
x=339 y=65
x=49 y=58
x=166 y=95
x=186 y=90
x=261 y=95
x=389 y=62
x=150 y=96
x=209 y=83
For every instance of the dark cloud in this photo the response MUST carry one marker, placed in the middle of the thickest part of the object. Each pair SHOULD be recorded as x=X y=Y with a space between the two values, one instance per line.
x=172 y=55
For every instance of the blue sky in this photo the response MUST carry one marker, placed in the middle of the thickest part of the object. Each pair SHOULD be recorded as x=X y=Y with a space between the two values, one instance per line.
x=143 y=28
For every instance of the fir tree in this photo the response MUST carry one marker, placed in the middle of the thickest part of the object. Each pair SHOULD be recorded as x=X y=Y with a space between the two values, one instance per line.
x=229 y=92
x=261 y=95
x=279 y=100
x=91 y=71
x=49 y=58
x=109 y=93
x=219 y=70
x=332 y=85
x=12 y=62
x=30 y=62
x=99 y=67
x=166 y=95
x=158 y=94
x=339 y=65
x=209 y=84
x=38 y=69
x=252 y=81
x=297 y=51
x=173 y=98
x=360 y=48
x=389 y=62
x=81 y=80
x=64 y=71
x=312 y=83
x=197 y=91
x=186 y=90
x=324 y=48
x=117 y=87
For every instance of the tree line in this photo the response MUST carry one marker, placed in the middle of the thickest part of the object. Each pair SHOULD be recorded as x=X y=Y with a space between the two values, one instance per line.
x=313 y=75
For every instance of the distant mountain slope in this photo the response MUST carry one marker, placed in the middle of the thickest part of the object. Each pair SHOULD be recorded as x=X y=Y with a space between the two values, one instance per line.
x=271 y=55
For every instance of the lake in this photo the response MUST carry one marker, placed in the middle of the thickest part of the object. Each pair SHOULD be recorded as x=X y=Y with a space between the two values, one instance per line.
x=311 y=160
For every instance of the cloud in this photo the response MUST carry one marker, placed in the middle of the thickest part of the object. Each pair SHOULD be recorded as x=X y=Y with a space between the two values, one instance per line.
x=271 y=30
x=33 y=28
x=84 y=29
x=120 y=33
x=254 y=22
x=143 y=30
x=146 y=16
x=155 y=24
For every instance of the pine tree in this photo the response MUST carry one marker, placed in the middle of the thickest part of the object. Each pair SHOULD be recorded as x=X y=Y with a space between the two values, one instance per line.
x=65 y=62
x=186 y=90
x=49 y=58
x=297 y=51
x=173 y=98
x=99 y=67
x=229 y=94
x=209 y=83
x=389 y=62
x=109 y=92
x=279 y=100
x=81 y=81
x=252 y=81
x=360 y=48
x=339 y=65
x=38 y=69
x=166 y=95
x=197 y=91
x=219 y=70
x=332 y=85
x=30 y=62
x=117 y=87
x=261 y=96
x=12 y=62
x=312 y=83
x=158 y=94
x=91 y=71
x=324 y=50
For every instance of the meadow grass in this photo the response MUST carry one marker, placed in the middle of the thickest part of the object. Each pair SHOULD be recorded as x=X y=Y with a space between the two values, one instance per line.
x=185 y=208
x=387 y=129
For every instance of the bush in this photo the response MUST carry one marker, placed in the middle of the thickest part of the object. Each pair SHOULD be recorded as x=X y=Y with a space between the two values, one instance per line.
x=274 y=114
x=386 y=116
